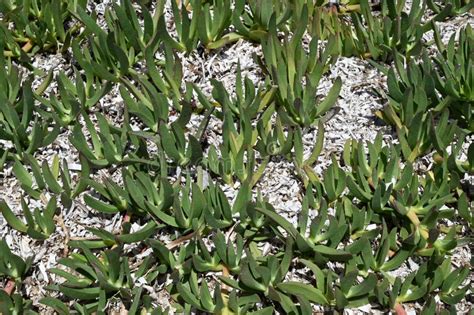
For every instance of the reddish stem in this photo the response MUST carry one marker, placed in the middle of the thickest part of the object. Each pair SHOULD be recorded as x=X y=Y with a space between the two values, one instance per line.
x=9 y=287
x=126 y=218
x=399 y=310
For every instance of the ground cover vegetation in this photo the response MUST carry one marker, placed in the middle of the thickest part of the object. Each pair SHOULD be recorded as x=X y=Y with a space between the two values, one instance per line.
x=364 y=216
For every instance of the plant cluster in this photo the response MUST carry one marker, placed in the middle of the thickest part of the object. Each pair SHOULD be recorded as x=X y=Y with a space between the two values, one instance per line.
x=366 y=215
x=28 y=27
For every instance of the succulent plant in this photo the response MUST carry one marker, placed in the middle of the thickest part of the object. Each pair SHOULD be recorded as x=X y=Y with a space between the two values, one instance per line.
x=254 y=22
x=288 y=65
x=20 y=123
x=189 y=219
x=451 y=7
x=39 y=224
x=377 y=35
x=454 y=78
x=38 y=25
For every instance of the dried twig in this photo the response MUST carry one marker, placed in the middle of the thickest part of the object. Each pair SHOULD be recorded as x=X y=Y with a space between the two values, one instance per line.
x=60 y=220
x=180 y=240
